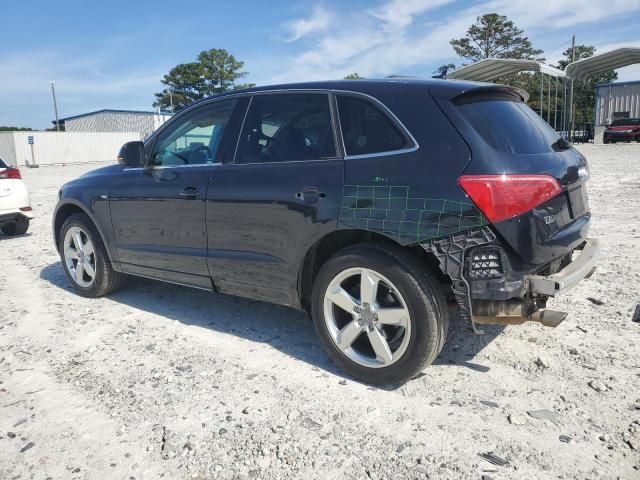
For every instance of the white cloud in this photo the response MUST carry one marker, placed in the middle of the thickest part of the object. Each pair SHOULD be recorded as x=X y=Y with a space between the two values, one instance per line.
x=552 y=14
x=387 y=41
x=302 y=27
x=399 y=14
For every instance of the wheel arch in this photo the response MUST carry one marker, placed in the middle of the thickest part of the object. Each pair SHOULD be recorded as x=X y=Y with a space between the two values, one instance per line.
x=68 y=208
x=331 y=243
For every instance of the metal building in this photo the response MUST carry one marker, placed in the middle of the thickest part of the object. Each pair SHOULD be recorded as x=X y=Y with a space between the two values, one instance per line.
x=617 y=100
x=108 y=120
x=46 y=148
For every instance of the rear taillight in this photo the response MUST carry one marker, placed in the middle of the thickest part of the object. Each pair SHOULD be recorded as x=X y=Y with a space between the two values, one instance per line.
x=10 y=173
x=500 y=197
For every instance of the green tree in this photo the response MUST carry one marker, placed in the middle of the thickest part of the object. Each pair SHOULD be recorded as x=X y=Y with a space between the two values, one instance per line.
x=442 y=70
x=184 y=85
x=584 y=94
x=353 y=76
x=494 y=36
x=215 y=71
x=15 y=129
x=220 y=70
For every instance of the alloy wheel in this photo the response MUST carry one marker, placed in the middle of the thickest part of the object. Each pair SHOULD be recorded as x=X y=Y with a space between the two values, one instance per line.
x=79 y=256
x=367 y=318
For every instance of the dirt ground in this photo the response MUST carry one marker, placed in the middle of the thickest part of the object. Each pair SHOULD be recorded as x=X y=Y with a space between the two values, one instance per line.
x=159 y=380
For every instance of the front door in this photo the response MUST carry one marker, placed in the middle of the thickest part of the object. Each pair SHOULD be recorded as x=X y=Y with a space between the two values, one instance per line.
x=280 y=195
x=158 y=211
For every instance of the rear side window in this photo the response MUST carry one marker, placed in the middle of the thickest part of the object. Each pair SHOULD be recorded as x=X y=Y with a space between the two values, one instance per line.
x=2 y=164
x=508 y=125
x=287 y=127
x=366 y=129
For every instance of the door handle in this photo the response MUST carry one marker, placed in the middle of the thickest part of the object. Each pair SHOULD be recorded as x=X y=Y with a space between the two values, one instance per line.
x=189 y=192
x=310 y=195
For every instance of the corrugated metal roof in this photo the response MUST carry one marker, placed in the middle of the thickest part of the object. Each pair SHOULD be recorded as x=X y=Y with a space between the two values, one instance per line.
x=106 y=110
x=492 y=68
x=584 y=69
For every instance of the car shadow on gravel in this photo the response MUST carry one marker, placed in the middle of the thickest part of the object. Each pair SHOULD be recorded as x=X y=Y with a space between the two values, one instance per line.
x=286 y=329
x=11 y=237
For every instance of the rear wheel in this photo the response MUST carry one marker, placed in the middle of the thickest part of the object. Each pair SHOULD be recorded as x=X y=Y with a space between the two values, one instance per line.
x=379 y=317
x=84 y=258
x=18 y=227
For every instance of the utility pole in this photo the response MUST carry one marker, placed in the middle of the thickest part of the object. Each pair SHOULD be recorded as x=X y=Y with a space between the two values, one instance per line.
x=55 y=105
x=171 y=100
x=571 y=112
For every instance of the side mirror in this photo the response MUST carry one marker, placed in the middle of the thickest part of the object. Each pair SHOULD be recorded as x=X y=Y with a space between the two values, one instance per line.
x=132 y=154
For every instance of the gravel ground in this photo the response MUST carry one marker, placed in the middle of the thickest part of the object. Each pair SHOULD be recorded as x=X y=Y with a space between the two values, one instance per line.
x=163 y=381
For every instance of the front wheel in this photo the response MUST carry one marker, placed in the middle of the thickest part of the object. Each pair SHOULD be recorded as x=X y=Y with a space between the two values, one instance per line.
x=84 y=258
x=379 y=316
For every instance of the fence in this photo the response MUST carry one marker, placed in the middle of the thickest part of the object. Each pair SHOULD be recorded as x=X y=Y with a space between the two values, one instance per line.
x=61 y=147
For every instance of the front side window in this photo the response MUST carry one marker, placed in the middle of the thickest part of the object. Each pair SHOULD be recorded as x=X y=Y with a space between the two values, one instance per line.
x=287 y=127
x=195 y=138
x=366 y=129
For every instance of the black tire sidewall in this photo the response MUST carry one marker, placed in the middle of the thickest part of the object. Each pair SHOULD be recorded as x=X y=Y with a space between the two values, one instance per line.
x=82 y=221
x=19 y=227
x=421 y=303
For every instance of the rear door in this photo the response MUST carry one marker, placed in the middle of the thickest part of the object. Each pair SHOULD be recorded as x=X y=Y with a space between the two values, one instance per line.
x=158 y=212
x=280 y=195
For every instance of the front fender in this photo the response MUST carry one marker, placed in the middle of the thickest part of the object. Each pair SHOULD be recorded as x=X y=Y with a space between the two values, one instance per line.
x=98 y=212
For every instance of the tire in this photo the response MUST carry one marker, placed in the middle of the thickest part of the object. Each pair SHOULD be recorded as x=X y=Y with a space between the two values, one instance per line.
x=19 y=227
x=105 y=279
x=405 y=286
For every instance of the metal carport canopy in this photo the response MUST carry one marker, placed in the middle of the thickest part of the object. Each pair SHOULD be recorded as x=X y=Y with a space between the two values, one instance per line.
x=584 y=69
x=492 y=68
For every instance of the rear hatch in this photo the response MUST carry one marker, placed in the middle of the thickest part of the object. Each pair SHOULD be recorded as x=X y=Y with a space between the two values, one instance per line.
x=529 y=183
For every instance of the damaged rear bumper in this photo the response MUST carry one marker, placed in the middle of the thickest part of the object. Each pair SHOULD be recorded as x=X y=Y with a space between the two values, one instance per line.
x=580 y=268
x=532 y=308
x=507 y=297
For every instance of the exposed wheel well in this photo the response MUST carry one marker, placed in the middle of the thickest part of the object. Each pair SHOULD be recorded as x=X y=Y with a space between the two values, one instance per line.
x=61 y=215
x=326 y=247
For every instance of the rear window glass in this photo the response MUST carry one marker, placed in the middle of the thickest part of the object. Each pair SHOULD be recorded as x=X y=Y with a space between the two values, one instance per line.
x=509 y=126
x=2 y=164
x=625 y=122
x=366 y=129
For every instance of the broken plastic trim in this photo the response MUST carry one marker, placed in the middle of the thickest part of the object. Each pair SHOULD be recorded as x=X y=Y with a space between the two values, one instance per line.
x=451 y=252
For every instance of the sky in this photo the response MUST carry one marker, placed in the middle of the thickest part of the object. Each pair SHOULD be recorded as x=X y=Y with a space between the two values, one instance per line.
x=113 y=54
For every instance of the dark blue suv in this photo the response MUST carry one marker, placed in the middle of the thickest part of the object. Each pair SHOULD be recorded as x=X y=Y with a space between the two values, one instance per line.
x=366 y=203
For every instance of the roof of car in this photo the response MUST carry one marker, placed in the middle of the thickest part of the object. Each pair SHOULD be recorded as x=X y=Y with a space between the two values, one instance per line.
x=439 y=87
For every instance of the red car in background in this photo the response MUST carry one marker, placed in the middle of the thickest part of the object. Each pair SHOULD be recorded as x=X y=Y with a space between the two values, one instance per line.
x=623 y=130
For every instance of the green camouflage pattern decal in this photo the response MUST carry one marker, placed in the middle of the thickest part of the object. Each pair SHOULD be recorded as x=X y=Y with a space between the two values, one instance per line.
x=392 y=210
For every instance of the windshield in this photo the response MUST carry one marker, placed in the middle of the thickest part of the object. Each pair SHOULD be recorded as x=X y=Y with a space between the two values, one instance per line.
x=626 y=122
x=509 y=125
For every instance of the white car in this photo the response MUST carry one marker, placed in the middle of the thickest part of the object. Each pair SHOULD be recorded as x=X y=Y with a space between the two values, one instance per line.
x=15 y=205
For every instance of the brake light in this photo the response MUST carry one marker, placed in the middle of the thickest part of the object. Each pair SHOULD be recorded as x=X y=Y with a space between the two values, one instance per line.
x=10 y=173
x=500 y=197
